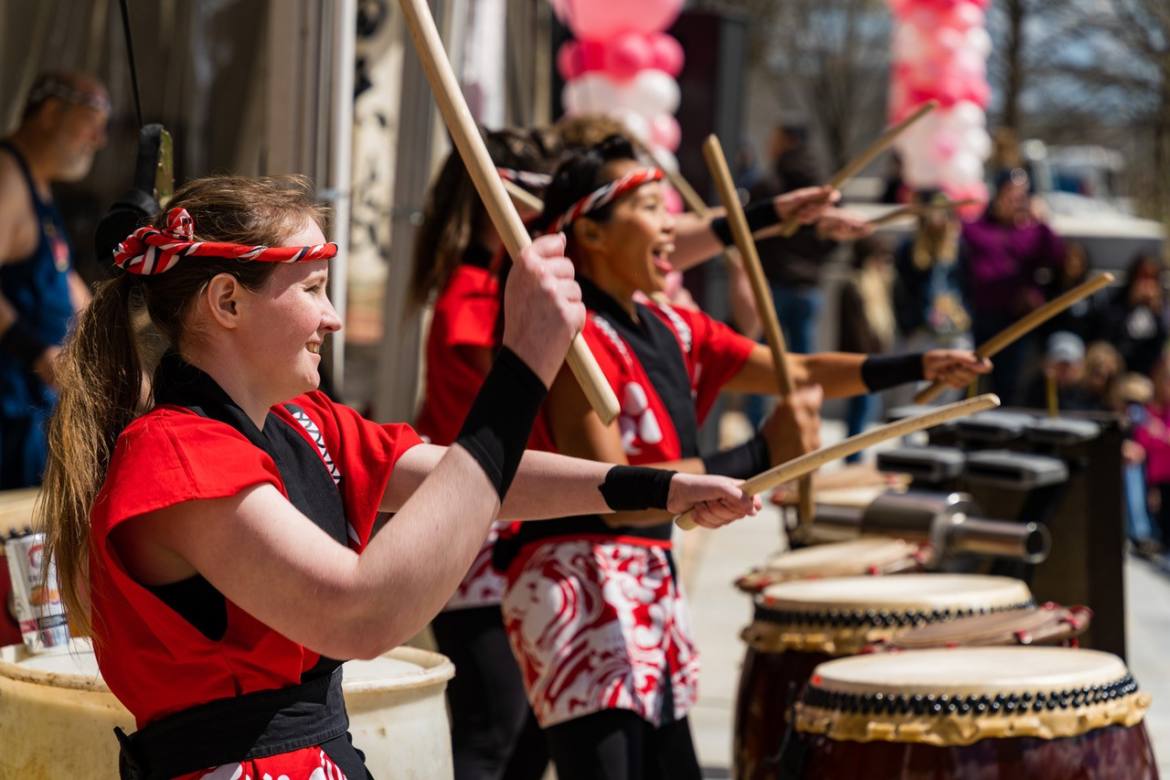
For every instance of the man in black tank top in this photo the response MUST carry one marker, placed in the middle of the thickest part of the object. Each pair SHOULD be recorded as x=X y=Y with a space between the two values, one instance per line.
x=62 y=126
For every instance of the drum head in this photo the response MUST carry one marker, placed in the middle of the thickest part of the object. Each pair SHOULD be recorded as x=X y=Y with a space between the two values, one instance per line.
x=841 y=559
x=957 y=697
x=872 y=555
x=978 y=670
x=954 y=593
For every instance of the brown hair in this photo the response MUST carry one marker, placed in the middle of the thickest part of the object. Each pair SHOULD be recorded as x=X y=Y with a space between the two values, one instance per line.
x=101 y=369
x=454 y=214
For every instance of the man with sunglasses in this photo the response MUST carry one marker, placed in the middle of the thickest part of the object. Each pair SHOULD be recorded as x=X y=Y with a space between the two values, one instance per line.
x=62 y=127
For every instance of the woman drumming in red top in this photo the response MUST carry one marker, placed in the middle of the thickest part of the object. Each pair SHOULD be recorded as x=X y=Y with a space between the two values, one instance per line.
x=592 y=608
x=457 y=254
x=214 y=526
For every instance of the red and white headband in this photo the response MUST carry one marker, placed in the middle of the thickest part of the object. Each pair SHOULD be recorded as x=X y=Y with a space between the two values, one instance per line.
x=528 y=179
x=605 y=195
x=148 y=250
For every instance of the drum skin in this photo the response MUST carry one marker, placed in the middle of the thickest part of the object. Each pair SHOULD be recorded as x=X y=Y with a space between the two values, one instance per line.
x=1111 y=753
x=58 y=716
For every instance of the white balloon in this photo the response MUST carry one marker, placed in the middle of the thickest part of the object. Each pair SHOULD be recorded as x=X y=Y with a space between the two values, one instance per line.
x=916 y=138
x=919 y=171
x=977 y=142
x=666 y=158
x=962 y=169
x=591 y=93
x=635 y=123
x=979 y=41
x=968 y=114
x=654 y=92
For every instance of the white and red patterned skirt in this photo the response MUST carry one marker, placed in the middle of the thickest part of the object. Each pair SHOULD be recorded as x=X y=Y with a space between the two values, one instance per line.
x=483 y=586
x=598 y=624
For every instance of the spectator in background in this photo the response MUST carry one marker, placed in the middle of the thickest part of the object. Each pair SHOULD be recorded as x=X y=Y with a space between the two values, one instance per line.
x=747 y=170
x=1103 y=369
x=928 y=293
x=1004 y=252
x=1083 y=317
x=1134 y=391
x=1064 y=366
x=896 y=190
x=793 y=266
x=1135 y=321
x=867 y=322
x=1154 y=437
x=62 y=127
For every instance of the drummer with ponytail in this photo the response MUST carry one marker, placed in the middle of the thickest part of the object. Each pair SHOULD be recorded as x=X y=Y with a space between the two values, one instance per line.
x=212 y=513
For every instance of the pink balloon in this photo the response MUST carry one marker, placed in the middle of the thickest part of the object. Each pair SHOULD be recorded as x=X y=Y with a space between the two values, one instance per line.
x=626 y=55
x=569 y=60
x=666 y=53
x=602 y=20
x=665 y=132
x=674 y=201
x=592 y=55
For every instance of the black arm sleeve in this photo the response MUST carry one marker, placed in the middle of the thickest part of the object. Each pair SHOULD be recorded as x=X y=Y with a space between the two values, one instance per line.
x=500 y=421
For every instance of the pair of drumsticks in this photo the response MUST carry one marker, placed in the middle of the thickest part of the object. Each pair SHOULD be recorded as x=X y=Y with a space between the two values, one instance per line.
x=507 y=222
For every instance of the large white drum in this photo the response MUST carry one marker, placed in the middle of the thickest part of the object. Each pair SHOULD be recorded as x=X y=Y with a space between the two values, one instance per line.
x=57 y=716
x=1048 y=713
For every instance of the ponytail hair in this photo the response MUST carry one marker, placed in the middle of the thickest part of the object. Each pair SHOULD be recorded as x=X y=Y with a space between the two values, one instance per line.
x=102 y=370
x=454 y=214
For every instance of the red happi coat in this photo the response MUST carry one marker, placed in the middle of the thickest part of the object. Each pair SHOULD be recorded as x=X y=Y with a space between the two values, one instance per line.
x=153 y=659
x=464 y=318
x=594 y=614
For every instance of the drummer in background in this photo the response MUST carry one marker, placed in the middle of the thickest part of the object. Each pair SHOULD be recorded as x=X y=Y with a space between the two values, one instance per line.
x=593 y=607
x=458 y=255
x=215 y=531
x=61 y=129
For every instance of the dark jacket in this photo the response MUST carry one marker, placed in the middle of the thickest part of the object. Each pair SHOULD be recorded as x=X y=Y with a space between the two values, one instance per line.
x=795 y=261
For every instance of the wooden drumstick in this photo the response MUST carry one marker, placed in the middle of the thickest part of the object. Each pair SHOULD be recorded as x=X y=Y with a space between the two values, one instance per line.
x=750 y=257
x=1024 y=325
x=915 y=210
x=858 y=163
x=491 y=190
x=522 y=197
x=811 y=461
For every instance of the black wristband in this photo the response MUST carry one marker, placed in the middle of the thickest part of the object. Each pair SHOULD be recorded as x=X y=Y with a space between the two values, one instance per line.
x=881 y=372
x=20 y=342
x=761 y=214
x=500 y=421
x=636 y=487
x=746 y=460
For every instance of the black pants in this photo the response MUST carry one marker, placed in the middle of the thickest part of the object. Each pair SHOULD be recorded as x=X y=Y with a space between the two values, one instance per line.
x=620 y=745
x=494 y=735
x=1162 y=517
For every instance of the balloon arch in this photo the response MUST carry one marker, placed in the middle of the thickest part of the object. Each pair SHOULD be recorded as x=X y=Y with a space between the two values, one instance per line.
x=623 y=64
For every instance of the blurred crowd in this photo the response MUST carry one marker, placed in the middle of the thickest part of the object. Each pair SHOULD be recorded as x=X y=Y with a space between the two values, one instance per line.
x=956 y=282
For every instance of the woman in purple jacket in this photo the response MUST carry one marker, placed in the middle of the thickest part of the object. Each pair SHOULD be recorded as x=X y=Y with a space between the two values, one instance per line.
x=1003 y=255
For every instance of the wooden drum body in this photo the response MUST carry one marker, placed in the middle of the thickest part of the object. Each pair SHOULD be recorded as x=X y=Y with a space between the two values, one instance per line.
x=58 y=715
x=799 y=625
x=989 y=713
